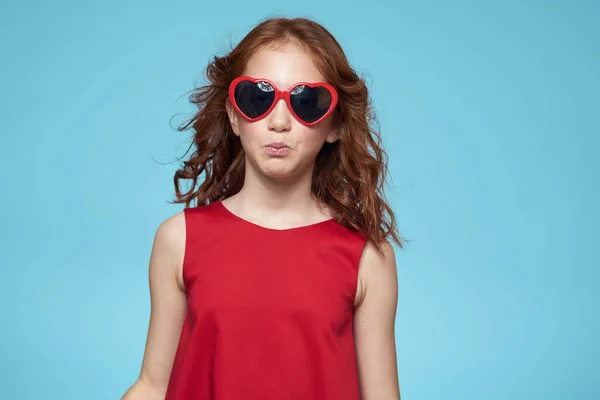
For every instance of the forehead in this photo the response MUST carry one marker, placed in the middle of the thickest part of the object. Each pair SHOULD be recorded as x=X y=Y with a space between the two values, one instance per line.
x=284 y=66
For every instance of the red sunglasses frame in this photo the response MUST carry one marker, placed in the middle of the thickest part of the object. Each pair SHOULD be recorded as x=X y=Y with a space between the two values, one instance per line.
x=283 y=94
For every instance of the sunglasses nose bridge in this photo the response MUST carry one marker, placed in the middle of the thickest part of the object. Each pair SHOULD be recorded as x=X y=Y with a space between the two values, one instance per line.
x=280 y=116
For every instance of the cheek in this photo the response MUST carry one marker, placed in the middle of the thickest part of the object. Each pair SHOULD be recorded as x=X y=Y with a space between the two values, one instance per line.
x=314 y=138
x=251 y=133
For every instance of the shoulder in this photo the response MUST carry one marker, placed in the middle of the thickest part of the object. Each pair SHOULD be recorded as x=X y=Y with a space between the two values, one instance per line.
x=382 y=258
x=377 y=270
x=169 y=243
x=172 y=229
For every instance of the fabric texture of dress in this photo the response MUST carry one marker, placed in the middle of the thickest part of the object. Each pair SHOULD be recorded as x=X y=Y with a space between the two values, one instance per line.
x=269 y=312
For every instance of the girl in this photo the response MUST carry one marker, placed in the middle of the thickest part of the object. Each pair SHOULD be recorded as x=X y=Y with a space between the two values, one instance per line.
x=280 y=283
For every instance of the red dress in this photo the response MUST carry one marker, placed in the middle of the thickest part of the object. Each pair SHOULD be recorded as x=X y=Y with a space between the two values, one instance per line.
x=269 y=312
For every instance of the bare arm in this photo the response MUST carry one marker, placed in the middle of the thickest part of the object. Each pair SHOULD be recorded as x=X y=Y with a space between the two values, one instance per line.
x=374 y=320
x=168 y=307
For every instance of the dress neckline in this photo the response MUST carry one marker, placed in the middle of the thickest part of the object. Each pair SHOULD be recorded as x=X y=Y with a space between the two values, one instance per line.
x=292 y=229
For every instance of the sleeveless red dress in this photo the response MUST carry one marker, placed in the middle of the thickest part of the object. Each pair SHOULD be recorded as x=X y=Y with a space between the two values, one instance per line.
x=269 y=312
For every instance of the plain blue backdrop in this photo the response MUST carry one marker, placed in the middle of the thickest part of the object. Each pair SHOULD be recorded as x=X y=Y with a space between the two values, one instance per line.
x=488 y=110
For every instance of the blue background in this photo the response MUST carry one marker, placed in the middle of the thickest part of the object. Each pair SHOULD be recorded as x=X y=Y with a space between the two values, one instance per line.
x=489 y=112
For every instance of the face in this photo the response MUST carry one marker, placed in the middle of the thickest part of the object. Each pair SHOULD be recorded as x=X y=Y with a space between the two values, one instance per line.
x=283 y=66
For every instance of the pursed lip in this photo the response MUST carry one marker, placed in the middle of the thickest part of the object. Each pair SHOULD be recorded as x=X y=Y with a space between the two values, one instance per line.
x=277 y=145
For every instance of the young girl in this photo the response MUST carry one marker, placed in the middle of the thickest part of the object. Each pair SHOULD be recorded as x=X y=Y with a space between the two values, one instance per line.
x=280 y=283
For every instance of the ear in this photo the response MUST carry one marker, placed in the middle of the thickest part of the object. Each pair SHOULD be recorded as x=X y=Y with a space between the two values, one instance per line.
x=233 y=117
x=332 y=136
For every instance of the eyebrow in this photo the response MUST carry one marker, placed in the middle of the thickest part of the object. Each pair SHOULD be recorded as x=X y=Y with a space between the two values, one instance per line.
x=285 y=87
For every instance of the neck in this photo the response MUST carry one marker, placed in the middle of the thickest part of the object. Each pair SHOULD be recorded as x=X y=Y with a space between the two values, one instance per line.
x=274 y=198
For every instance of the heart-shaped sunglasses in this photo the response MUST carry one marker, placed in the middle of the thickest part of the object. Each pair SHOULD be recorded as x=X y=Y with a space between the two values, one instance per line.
x=310 y=103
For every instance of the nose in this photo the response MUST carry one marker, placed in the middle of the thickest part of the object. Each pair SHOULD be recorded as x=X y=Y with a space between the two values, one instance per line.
x=280 y=118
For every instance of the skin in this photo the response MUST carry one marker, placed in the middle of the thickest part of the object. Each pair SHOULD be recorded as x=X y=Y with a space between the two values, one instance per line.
x=277 y=189
x=276 y=194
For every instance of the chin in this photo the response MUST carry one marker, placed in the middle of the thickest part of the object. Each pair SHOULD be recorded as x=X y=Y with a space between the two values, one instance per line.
x=277 y=172
x=275 y=167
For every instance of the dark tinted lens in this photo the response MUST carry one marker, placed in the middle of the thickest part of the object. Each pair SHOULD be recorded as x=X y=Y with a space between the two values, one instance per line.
x=310 y=104
x=254 y=99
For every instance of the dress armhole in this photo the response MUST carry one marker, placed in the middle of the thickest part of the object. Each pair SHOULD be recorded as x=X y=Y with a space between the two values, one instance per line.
x=363 y=245
x=187 y=232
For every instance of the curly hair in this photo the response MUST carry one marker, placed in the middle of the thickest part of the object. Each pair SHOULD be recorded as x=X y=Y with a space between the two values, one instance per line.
x=349 y=174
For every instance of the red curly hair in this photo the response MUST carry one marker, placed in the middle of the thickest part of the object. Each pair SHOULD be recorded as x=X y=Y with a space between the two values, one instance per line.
x=349 y=174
